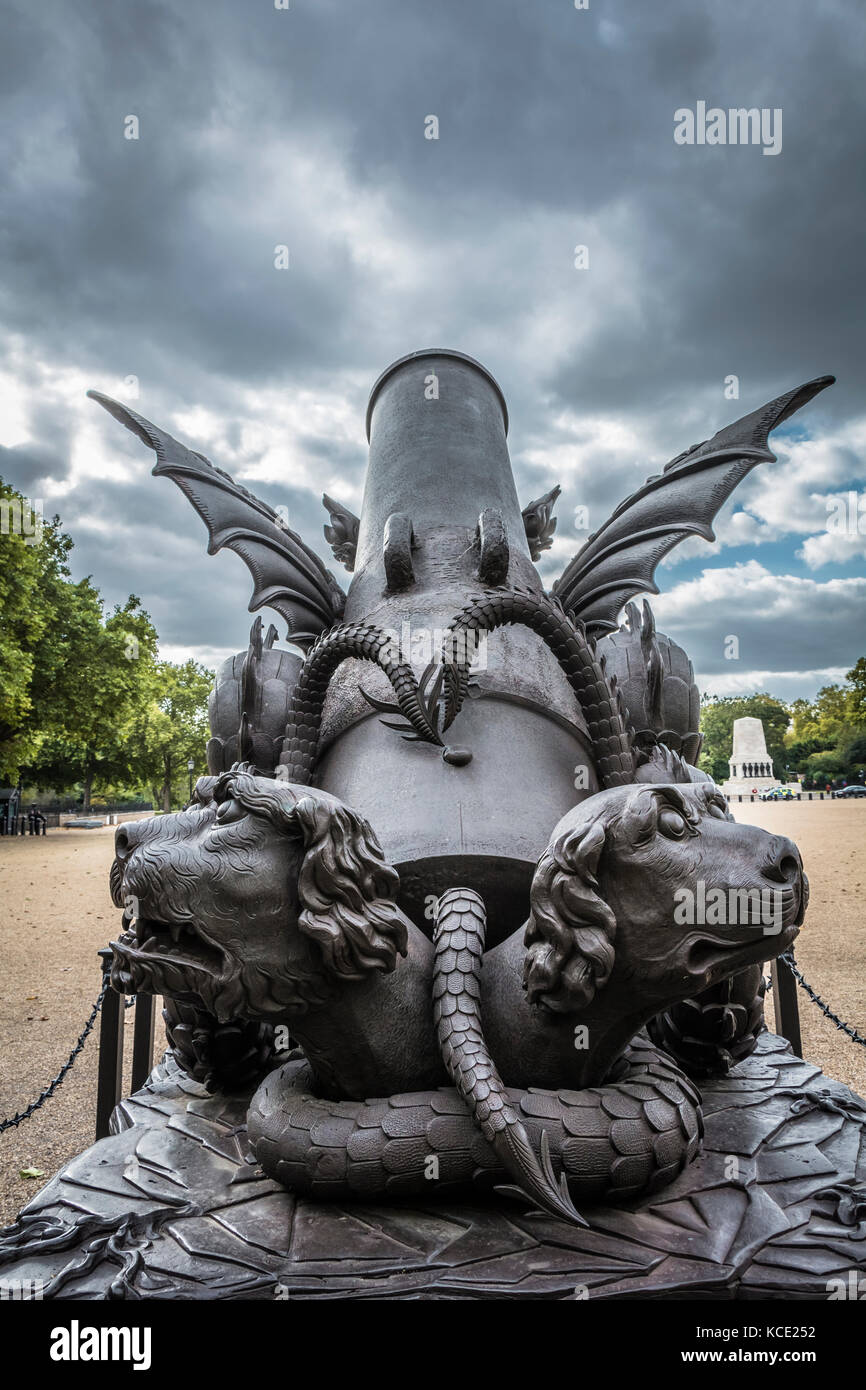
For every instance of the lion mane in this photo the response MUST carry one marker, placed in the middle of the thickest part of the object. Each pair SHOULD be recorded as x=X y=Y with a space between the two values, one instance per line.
x=571 y=930
x=346 y=889
x=342 y=898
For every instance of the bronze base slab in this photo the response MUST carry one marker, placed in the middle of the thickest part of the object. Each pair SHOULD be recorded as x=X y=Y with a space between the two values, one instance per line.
x=170 y=1206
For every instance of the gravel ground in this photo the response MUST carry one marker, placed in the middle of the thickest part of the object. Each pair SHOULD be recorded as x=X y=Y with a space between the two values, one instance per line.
x=57 y=913
x=831 y=947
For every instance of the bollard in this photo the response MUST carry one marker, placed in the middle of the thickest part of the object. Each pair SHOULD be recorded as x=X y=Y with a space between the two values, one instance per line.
x=110 y=1071
x=787 y=1011
x=142 y=1039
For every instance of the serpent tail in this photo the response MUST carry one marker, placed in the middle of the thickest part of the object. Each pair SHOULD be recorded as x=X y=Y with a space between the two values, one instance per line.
x=459 y=947
x=616 y=1142
x=598 y=695
x=363 y=641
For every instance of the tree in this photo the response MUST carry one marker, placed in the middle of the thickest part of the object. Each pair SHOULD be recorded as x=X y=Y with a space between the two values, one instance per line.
x=857 y=693
x=828 y=734
x=824 y=766
x=821 y=718
x=717 y=726
x=32 y=566
x=170 y=730
x=83 y=698
x=91 y=700
x=70 y=677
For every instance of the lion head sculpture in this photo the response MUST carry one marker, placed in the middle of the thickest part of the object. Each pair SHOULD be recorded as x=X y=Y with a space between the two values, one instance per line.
x=256 y=900
x=654 y=892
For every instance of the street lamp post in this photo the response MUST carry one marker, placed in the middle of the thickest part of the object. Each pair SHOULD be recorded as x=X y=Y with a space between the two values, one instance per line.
x=190 y=767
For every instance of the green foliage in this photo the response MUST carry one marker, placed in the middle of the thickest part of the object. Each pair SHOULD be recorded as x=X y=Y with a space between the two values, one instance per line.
x=824 y=765
x=99 y=678
x=822 y=718
x=819 y=740
x=170 y=729
x=717 y=726
x=797 y=753
x=856 y=703
x=84 y=701
x=827 y=739
x=31 y=569
x=854 y=751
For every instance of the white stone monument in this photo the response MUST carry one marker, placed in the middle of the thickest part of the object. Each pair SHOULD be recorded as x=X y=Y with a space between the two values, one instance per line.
x=750 y=763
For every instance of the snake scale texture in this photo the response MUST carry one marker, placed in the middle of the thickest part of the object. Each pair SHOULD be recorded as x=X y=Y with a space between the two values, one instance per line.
x=616 y=1141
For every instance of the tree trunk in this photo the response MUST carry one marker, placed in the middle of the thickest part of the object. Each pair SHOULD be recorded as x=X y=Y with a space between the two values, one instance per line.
x=166 y=787
x=88 y=787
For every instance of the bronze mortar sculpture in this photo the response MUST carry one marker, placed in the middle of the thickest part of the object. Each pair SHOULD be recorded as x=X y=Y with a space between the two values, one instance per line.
x=493 y=905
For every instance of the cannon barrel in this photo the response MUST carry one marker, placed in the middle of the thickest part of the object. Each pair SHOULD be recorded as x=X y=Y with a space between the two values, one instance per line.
x=440 y=525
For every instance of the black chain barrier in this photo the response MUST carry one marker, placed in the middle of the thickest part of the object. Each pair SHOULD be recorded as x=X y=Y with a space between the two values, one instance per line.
x=67 y=1065
x=788 y=958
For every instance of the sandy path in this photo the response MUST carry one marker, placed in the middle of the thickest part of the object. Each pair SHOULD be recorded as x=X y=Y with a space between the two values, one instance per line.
x=831 y=948
x=56 y=913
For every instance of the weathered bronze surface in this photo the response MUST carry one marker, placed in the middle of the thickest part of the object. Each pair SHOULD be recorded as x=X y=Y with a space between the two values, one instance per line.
x=786 y=1228
x=468 y=930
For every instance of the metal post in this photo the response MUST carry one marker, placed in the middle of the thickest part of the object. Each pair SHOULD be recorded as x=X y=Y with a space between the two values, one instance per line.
x=142 y=1039
x=787 y=1010
x=110 y=1074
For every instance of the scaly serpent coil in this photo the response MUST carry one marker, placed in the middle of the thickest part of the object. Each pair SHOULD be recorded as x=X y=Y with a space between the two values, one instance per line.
x=631 y=1135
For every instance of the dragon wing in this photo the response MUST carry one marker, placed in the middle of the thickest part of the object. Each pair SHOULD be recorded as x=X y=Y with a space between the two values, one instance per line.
x=287 y=575
x=620 y=559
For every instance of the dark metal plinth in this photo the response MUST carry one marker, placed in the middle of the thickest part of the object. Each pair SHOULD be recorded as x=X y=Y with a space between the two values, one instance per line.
x=775 y=1207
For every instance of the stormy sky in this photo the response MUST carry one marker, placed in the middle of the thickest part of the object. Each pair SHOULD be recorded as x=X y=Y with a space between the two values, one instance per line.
x=147 y=265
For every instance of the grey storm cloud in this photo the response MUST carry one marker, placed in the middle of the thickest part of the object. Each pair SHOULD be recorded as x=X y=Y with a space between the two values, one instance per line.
x=155 y=257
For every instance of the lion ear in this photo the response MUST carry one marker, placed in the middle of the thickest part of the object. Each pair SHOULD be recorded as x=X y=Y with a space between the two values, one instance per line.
x=347 y=891
x=571 y=929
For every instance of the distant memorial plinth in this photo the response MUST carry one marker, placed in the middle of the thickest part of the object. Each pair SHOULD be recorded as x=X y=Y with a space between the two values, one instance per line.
x=751 y=767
